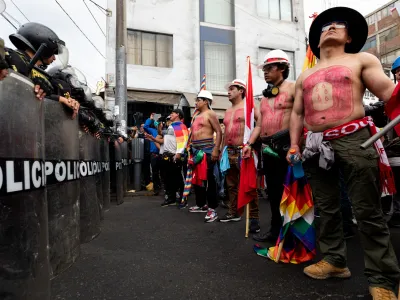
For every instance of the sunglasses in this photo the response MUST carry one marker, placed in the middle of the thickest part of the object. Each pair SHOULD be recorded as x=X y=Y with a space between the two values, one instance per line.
x=336 y=24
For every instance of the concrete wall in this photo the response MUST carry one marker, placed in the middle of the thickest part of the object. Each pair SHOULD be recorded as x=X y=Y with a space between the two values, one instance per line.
x=181 y=19
x=253 y=32
x=176 y=17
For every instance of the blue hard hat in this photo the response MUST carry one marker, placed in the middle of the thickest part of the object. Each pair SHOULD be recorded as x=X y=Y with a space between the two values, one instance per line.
x=395 y=65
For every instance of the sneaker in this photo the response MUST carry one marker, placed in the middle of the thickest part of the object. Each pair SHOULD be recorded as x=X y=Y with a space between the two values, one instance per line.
x=182 y=205
x=211 y=216
x=168 y=203
x=379 y=293
x=254 y=226
x=229 y=218
x=197 y=209
x=324 y=270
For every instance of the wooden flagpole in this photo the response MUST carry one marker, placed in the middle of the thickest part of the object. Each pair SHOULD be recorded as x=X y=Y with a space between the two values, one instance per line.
x=278 y=255
x=247 y=220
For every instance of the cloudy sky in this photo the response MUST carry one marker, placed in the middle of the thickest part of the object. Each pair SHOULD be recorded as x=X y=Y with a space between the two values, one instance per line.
x=82 y=54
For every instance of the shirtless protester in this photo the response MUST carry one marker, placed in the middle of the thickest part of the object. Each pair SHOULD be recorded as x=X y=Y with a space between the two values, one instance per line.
x=202 y=143
x=273 y=127
x=328 y=102
x=233 y=139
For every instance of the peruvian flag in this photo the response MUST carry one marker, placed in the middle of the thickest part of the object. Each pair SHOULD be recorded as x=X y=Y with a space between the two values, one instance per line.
x=392 y=107
x=248 y=172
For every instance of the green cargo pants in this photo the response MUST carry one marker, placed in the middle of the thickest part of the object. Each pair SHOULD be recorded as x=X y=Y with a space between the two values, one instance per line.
x=361 y=175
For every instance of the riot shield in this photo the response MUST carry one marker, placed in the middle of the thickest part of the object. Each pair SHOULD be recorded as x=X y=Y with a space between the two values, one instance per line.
x=99 y=178
x=89 y=203
x=119 y=173
x=62 y=156
x=125 y=162
x=105 y=161
x=24 y=256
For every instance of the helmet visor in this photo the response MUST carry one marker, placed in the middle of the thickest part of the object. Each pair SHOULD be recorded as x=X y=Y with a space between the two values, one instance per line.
x=62 y=55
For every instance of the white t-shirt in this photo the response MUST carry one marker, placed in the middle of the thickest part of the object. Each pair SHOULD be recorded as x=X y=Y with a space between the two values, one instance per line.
x=170 y=141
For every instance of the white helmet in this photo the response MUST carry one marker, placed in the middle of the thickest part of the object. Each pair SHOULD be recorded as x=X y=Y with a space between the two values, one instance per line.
x=275 y=56
x=237 y=82
x=205 y=94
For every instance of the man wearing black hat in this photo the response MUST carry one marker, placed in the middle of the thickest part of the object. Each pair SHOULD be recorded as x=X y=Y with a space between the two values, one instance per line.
x=328 y=102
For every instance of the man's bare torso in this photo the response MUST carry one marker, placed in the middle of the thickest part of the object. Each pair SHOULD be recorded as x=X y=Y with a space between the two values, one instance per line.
x=201 y=127
x=234 y=125
x=332 y=93
x=275 y=112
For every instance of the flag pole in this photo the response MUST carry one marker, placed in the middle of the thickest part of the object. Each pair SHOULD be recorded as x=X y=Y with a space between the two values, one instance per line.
x=247 y=220
x=278 y=255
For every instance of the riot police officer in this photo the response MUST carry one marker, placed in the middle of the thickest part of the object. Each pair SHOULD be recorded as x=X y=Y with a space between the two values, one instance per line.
x=28 y=40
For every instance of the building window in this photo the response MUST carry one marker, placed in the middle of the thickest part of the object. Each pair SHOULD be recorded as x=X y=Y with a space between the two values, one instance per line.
x=219 y=65
x=389 y=34
x=292 y=70
x=275 y=9
x=218 y=12
x=370 y=43
x=149 y=49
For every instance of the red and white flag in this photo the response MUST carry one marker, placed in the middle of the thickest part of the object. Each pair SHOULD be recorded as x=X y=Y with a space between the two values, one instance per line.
x=248 y=105
x=248 y=172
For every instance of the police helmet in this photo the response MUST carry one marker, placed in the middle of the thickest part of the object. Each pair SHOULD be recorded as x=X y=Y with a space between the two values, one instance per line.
x=32 y=35
x=395 y=65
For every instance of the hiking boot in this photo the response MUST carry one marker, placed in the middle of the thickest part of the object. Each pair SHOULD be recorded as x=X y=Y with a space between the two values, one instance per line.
x=197 y=209
x=168 y=203
x=211 y=216
x=379 y=293
x=324 y=270
x=265 y=237
x=254 y=226
x=230 y=218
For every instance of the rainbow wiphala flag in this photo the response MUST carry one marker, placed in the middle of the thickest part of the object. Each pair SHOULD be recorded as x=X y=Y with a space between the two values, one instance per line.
x=298 y=231
x=181 y=135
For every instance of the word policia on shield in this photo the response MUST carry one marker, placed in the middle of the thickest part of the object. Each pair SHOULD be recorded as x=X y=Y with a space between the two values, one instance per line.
x=18 y=175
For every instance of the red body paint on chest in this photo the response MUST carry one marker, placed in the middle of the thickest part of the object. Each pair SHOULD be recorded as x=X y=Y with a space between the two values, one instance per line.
x=328 y=95
x=272 y=117
x=234 y=124
x=198 y=124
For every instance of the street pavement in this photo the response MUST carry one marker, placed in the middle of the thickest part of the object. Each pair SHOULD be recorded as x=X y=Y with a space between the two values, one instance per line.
x=146 y=251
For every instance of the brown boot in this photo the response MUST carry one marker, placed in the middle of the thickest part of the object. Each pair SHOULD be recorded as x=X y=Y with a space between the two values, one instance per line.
x=379 y=293
x=324 y=270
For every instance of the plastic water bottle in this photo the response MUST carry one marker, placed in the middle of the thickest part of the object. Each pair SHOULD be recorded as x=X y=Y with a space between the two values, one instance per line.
x=298 y=171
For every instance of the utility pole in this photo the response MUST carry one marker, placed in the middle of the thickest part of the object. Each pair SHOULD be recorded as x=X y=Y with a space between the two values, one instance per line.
x=120 y=109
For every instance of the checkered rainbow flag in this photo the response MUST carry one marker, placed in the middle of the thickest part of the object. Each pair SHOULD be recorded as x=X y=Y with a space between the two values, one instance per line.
x=189 y=173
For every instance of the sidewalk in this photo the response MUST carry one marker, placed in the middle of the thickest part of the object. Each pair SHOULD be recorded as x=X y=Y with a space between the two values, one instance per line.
x=149 y=252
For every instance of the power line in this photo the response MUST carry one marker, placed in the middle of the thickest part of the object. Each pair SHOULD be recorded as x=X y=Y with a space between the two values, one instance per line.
x=80 y=29
x=19 y=10
x=94 y=18
x=262 y=21
x=10 y=16
x=99 y=6
x=8 y=21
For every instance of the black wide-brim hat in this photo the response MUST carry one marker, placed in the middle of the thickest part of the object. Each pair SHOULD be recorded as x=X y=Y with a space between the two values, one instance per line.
x=357 y=28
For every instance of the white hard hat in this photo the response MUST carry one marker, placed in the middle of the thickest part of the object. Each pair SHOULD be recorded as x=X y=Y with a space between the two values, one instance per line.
x=238 y=82
x=275 y=56
x=205 y=94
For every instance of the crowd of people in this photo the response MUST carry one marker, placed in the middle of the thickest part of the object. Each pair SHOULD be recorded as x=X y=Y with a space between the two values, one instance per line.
x=320 y=118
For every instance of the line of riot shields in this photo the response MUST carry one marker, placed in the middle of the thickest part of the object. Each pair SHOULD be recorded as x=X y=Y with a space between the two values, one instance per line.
x=57 y=178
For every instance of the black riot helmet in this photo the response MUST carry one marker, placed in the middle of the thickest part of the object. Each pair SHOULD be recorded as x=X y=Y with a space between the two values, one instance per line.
x=32 y=35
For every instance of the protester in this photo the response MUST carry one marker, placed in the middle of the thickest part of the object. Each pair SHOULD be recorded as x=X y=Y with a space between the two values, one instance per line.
x=273 y=127
x=174 y=143
x=205 y=154
x=328 y=102
x=150 y=127
x=233 y=139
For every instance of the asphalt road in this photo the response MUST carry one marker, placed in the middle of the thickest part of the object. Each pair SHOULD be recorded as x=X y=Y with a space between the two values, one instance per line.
x=149 y=252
